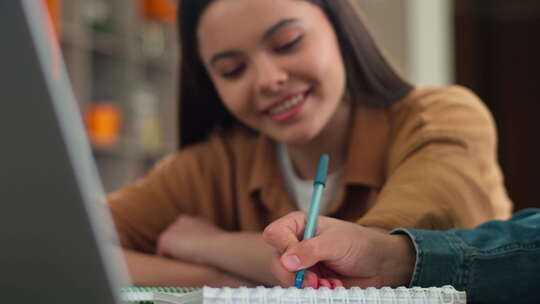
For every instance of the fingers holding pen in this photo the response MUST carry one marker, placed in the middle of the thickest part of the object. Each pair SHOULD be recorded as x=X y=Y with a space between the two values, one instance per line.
x=315 y=281
x=331 y=247
x=289 y=230
x=286 y=231
x=304 y=255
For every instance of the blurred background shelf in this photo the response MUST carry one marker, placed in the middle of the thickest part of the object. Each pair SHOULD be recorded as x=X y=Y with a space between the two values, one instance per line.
x=121 y=57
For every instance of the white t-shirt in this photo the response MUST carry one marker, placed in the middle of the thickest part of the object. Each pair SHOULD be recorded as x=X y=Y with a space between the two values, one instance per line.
x=301 y=190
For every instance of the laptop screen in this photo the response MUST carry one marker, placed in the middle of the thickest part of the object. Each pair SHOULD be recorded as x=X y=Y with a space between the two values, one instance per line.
x=58 y=241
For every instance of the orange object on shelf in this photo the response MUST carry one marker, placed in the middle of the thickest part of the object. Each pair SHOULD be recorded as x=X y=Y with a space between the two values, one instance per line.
x=103 y=124
x=159 y=10
x=54 y=11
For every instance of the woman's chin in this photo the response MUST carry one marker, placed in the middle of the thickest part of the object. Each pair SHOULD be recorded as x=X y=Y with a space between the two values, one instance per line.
x=296 y=139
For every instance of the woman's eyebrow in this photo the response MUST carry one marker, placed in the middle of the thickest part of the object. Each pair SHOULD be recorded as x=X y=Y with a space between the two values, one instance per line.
x=276 y=27
x=265 y=37
x=224 y=54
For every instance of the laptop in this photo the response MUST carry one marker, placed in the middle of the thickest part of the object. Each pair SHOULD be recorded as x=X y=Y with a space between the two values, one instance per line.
x=58 y=244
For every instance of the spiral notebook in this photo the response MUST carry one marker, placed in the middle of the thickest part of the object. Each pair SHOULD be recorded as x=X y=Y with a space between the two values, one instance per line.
x=278 y=295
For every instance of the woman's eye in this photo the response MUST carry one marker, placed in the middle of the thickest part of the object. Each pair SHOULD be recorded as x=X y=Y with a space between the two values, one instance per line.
x=289 y=45
x=233 y=73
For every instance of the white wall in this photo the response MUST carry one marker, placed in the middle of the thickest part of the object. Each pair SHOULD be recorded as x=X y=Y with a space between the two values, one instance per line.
x=417 y=36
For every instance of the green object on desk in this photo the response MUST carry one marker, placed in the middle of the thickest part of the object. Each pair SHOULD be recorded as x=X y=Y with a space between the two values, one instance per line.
x=143 y=294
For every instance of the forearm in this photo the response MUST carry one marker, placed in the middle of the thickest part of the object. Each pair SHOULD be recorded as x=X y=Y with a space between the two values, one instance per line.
x=151 y=270
x=242 y=253
x=495 y=262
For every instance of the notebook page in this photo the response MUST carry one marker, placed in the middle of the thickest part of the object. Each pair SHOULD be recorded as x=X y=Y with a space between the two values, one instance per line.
x=278 y=295
x=195 y=297
x=146 y=294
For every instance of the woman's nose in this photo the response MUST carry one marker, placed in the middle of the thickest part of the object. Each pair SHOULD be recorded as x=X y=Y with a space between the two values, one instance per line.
x=271 y=77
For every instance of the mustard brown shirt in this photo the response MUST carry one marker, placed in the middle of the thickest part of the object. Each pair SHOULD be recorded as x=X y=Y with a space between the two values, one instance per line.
x=427 y=162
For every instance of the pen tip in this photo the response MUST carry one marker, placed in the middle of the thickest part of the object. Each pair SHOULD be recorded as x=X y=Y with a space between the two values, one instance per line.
x=299 y=279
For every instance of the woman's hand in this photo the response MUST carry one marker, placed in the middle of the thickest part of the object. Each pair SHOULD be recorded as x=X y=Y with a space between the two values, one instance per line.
x=341 y=253
x=195 y=240
x=188 y=239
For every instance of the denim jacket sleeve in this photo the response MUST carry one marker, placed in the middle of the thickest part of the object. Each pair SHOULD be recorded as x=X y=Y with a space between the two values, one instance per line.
x=496 y=262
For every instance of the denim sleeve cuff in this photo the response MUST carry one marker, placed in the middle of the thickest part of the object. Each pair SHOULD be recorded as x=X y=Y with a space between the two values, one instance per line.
x=438 y=258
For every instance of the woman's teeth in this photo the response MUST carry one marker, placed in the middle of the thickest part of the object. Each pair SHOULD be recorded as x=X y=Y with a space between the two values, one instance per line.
x=287 y=105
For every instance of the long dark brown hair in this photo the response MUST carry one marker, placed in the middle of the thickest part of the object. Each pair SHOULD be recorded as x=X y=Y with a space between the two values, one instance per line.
x=371 y=80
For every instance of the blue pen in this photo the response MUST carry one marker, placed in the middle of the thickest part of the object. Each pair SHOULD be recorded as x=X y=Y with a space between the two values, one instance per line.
x=311 y=223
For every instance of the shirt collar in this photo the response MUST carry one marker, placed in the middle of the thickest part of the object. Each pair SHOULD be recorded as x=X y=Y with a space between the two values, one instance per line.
x=266 y=178
x=366 y=153
x=368 y=147
x=265 y=166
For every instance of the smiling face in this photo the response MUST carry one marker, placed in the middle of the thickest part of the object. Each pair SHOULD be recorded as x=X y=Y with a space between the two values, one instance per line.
x=276 y=65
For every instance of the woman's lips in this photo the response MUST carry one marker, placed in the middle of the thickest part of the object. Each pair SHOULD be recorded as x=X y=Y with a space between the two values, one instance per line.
x=289 y=109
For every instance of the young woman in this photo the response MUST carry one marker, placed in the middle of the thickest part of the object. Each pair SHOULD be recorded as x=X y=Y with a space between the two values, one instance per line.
x=266 y=87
